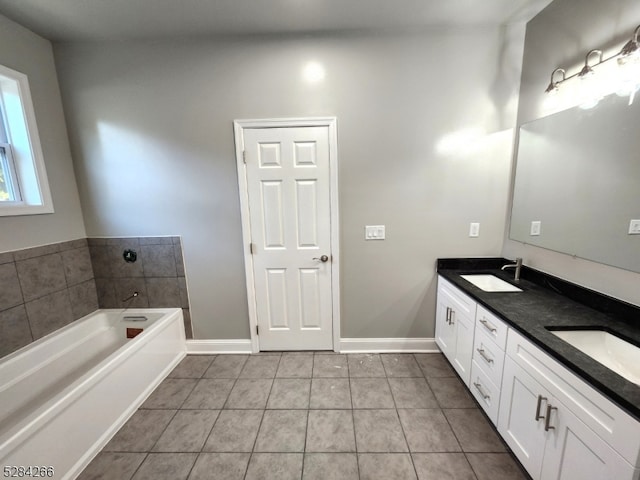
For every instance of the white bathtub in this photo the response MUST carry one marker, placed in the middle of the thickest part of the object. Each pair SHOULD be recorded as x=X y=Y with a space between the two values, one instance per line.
x=65 y=395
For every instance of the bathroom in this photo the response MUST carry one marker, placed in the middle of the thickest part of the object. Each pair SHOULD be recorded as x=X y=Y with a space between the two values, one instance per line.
x=137 y=137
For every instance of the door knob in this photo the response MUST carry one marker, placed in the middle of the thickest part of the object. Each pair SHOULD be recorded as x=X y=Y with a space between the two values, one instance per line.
x=323 y=258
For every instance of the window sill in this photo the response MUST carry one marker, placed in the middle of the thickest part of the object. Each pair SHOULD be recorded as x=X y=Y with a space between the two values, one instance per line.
x=19 y=209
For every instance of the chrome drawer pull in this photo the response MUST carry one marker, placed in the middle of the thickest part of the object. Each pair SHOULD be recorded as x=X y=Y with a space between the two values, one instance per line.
x=547 y=420
x=448 y=319
x=479 y=388
x=484 y=355
x=540 y=399
x=488 y=326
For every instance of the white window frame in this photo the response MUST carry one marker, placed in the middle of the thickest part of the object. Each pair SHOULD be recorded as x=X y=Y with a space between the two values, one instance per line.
x=9 y=168
x=23 y=150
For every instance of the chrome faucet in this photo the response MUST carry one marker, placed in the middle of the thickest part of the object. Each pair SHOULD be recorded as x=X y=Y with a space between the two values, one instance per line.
x=517 y=266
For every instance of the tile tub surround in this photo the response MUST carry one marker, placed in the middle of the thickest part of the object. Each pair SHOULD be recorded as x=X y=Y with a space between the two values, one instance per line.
x=43 y=289
x=548 y=301
x=308 y=415
x=158 y=274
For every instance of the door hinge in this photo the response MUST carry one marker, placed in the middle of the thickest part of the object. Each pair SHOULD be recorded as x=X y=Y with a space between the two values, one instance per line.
x=251 y=248
x=244 y=156
x=257 y=330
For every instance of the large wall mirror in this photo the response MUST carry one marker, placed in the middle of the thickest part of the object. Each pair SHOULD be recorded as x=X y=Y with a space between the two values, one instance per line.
x=578 y=174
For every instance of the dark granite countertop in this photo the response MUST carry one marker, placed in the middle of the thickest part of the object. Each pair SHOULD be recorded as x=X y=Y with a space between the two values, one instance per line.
x=547 y=301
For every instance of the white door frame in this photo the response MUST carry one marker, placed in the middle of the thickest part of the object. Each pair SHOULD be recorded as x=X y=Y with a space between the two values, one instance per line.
x=330 y=122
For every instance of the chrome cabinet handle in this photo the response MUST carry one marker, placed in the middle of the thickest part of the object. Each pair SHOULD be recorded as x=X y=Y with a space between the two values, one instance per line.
x=448 y=317
x=484 y=355
x=452 y=316
x=323 y=258
x=547 y=420
x=479 y=388
x=540 y=399
x=488 y=326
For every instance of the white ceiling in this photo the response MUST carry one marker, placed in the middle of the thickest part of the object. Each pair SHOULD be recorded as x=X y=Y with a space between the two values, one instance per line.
x=87 y=20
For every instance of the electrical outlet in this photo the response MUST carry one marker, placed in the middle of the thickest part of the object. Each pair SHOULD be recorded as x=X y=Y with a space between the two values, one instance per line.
x=634 y=227
x=536 y=226
x=474 y=229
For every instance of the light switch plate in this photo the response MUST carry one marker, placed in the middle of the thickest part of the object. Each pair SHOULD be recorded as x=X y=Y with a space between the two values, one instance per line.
x=634 y=227
x=474 y=229
x=536 y=226
x=374 y=232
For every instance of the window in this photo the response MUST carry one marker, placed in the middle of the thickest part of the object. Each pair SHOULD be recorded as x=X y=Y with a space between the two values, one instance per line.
x=23 y=180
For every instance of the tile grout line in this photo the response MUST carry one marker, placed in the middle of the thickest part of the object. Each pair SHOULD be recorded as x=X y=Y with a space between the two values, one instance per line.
x=404 y=434
x=264 y=411
x=212 y=425
x=353 y=419
x=146 y=455
x=255 y=440
x=473 y=470
x=179 y=408
x=204 y=442
x=23 y=304
x=235 y=381
x=306 y=432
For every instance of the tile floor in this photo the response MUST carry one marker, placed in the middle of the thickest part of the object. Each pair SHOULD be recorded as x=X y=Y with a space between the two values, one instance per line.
x=308 y=416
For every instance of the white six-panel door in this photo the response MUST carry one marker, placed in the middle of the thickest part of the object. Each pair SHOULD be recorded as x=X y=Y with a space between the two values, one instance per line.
x=289 y=205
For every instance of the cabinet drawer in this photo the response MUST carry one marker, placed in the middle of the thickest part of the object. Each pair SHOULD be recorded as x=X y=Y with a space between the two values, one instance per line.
x=488 y=356
x=490 y=324
x=616 y=427
x=485 y=392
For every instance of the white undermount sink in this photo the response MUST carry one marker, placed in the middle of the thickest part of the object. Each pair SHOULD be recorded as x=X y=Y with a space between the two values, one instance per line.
x=490 y=283
x=620 y=356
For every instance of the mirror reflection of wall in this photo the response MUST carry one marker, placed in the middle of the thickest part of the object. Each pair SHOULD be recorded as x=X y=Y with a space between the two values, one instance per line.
x=578 y=174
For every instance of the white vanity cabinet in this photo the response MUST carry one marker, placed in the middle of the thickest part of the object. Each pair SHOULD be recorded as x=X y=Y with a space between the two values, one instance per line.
x=557 y=425
x=455 y=320
x=487 y=362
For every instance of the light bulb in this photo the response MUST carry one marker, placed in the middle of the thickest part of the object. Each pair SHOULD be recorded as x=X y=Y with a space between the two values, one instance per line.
x=628 y=76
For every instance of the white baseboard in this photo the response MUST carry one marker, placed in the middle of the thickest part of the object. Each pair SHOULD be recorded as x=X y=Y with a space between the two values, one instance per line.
x=388 y=345
x=347 y=345
x=208 y=347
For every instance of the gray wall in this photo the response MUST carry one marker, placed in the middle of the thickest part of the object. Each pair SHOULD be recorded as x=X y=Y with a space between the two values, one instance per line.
x=151 y=134
x=560 y=36
x=32 y=55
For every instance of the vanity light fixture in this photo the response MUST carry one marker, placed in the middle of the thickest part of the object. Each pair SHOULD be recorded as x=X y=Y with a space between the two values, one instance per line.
x=553 y=84
x=630 y=49
x=630 y=53
x=590 y=94
x=588 y=69
x=629 y=68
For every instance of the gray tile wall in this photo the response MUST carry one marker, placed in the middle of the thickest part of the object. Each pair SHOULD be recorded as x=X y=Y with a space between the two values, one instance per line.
x=43 y=289
x=157 y=275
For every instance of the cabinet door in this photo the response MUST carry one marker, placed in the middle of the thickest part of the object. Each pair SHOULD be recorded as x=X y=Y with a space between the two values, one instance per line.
x=464 y=346
x=445 y=332
x=521 y=399
x=573 y=451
